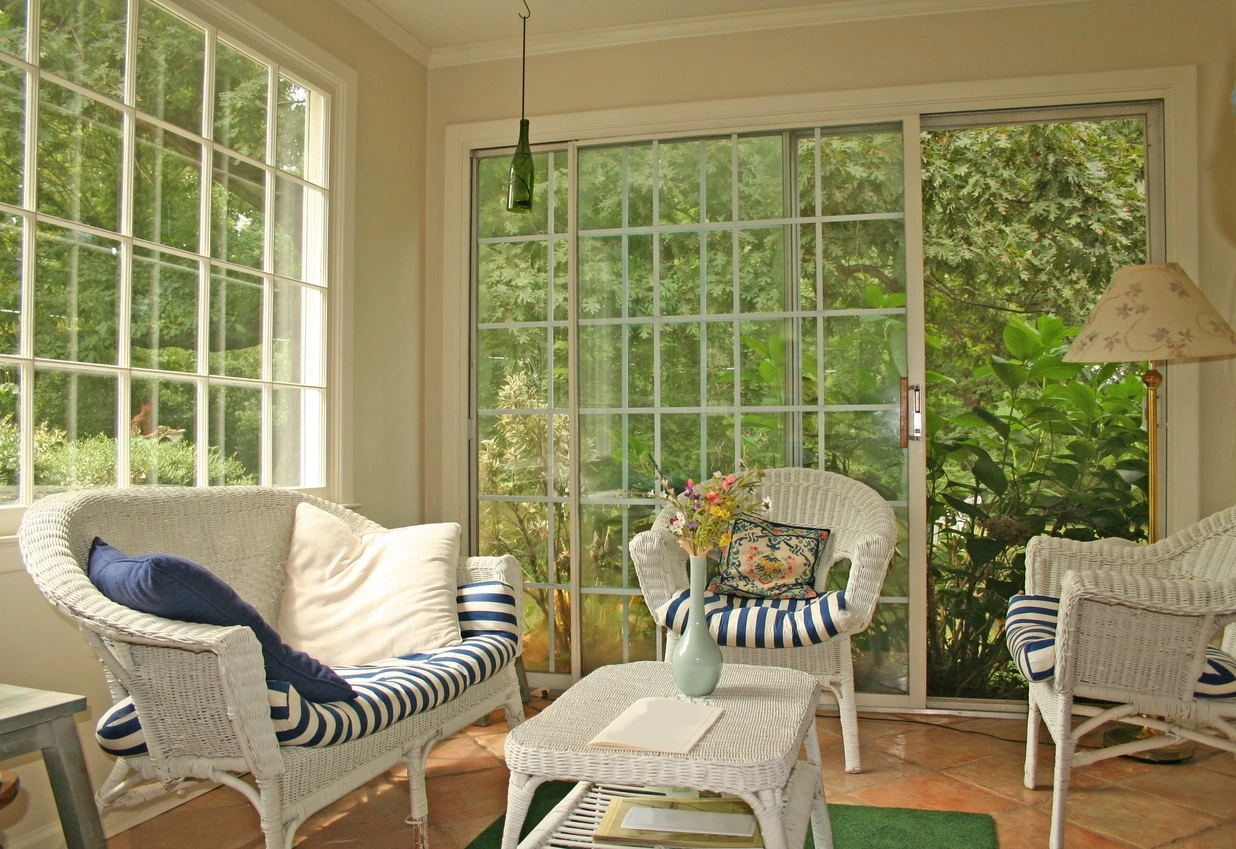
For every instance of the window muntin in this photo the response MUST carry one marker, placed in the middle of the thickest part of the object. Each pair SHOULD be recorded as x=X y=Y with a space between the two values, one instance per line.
x=720 y=290
x=163 y=230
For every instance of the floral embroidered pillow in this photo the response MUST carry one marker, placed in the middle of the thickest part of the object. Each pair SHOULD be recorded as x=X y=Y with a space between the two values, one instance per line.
x=769 y=560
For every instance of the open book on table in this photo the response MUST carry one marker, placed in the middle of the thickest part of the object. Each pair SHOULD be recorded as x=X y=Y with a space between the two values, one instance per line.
x=655 y=724
x=723 y=822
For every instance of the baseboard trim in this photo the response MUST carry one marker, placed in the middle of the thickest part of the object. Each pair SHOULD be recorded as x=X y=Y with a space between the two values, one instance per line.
x=46 y=837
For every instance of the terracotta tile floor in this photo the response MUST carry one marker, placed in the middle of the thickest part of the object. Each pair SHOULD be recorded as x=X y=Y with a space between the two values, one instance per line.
x=946 y=763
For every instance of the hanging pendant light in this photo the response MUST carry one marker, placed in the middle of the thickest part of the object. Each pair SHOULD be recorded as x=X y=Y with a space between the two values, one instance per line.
x=519 y=191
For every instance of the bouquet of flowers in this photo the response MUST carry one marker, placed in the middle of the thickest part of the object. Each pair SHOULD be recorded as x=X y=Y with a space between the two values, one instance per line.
x=706 y=509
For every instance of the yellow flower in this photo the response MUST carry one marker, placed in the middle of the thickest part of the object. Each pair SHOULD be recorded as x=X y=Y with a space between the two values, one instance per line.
x=725 y=540
x=719 y=511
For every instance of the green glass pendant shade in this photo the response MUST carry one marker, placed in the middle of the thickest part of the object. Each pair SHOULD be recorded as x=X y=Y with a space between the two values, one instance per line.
x=523 y=176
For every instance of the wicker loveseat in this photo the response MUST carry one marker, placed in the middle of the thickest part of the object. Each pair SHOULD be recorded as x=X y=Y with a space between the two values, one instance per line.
x=201 y=691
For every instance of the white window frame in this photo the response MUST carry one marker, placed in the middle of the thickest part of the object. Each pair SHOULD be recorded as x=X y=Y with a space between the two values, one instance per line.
x=246 y=24
x=1176 y=87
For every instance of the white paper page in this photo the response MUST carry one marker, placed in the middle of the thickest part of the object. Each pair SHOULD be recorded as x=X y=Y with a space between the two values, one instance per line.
x=690 y=822
x=658 y=725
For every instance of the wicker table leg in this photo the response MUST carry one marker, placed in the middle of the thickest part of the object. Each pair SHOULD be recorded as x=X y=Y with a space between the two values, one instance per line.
x=821 y=826
x=518 y=799
x=766 y=805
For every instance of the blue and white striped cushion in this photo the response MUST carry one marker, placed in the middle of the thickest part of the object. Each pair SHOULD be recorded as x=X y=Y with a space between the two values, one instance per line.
x=1030 y=631
x=766 y=623
x=387 y=691
x=487 y=607
x=1218 y=679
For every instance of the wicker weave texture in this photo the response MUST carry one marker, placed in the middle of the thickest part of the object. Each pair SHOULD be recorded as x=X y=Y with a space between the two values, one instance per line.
x=1133 y=627
x=863 y=532
x=752 y=745
x=751 y=751
x=201 y=689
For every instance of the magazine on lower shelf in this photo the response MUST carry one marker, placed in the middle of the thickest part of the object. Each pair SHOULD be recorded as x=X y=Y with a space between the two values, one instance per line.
x=719 y=822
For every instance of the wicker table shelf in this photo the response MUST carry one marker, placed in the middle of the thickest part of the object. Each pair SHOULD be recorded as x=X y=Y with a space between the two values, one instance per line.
x=751 y=752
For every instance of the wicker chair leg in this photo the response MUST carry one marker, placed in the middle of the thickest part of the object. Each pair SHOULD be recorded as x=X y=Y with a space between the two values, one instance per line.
x=279 y=835
x=848 y=710
x=1060 y=786
x=415 y=761
x=513 y=707
x=1032 y=747
x=420 y=832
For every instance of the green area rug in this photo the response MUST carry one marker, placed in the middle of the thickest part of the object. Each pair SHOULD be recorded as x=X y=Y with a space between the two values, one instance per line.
x=854 y=827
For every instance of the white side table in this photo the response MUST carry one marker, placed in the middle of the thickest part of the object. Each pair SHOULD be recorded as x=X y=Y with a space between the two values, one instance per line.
x=751 y=752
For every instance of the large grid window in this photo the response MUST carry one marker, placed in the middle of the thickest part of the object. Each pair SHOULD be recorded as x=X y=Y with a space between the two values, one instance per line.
x=163 y=229
x=732 y=299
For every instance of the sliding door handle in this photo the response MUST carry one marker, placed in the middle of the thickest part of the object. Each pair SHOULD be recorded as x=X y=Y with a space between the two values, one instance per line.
x=911 y=412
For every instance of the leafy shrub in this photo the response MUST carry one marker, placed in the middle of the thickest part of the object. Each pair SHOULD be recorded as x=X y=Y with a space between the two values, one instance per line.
x=1061 y=452
x=91 y=461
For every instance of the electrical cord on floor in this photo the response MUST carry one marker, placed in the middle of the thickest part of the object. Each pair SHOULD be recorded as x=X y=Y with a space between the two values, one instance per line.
x=897 y=717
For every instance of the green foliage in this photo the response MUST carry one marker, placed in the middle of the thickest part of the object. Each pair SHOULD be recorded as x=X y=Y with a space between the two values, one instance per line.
x=1021 y=221
x=91 y=461
x=1060 y=451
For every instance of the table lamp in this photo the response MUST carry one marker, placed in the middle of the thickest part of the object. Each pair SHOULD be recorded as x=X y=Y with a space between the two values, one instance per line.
x=1150 y=313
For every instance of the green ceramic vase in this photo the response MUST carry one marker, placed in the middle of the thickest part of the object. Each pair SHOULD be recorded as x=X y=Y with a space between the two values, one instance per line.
x=697 y=657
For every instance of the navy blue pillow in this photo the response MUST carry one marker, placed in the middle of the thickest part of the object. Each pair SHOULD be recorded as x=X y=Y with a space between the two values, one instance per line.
x=175 y=588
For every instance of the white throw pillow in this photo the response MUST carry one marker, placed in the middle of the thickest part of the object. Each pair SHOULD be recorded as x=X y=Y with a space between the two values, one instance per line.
x=356 y=598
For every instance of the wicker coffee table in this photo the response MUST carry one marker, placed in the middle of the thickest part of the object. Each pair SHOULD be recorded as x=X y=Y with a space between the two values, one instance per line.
x=752 y=752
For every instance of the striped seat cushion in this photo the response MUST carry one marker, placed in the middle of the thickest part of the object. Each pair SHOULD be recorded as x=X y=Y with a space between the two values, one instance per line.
x=765 y=623
x=387 y=691
x=1030 y=631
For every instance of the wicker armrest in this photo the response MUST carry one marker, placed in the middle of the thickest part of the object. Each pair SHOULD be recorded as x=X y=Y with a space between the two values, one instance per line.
x=200 y=690
x=1049 y=558
x=1102 y=649
x=1180 y=597
x=661 y=566
x=871 y=554
x=505 y=568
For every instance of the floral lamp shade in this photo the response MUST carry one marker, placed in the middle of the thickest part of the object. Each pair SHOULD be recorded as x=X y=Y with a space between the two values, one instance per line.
x=1152 y=312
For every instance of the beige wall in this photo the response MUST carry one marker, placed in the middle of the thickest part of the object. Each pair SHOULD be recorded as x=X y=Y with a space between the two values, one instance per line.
x=39 y=648
x=1103 y=35
x=388 y=276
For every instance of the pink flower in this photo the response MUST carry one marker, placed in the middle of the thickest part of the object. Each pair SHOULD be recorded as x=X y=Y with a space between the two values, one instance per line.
x=713 y=497
x=728 y=482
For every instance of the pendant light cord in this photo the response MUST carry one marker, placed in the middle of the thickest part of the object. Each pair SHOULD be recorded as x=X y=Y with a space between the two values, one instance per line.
x=523 y=64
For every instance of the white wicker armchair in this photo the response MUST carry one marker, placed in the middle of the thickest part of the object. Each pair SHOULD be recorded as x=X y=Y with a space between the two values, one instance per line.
x=200 y=690
x=863 y=531
x=1134 y=624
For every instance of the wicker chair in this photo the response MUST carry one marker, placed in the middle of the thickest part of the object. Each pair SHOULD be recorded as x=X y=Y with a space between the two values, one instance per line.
x=200 y=690
x=1132 y=633
x=864 y=532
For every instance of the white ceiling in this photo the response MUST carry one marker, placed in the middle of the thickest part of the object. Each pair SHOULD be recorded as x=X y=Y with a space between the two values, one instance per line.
x=445 y=32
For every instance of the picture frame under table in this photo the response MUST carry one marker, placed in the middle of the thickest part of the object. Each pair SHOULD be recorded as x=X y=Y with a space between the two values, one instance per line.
x=751 y=752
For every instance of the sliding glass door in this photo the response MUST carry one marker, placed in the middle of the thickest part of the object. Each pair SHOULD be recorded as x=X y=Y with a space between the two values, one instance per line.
x=776 y=298
x=704 y=303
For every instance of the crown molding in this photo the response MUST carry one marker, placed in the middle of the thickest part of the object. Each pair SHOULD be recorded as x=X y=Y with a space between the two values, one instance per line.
x=842 y=11
x=389 y=29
